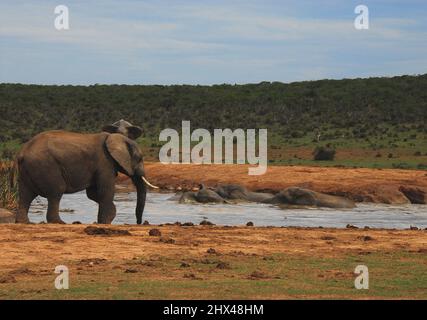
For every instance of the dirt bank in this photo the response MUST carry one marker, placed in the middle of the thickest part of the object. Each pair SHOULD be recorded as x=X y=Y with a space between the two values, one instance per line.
x=210 y=262
x=391 y=186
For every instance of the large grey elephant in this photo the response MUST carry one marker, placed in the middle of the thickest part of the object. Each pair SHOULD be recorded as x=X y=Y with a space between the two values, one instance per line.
x=57 y=162
x=304 y=197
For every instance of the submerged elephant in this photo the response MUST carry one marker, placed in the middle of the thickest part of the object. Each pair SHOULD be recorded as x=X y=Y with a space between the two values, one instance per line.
x=203 y=195
x=125 y=128
x=231 y=193
x=239 y=193
x=228 y=193
x=54 y=163
x=304 y=197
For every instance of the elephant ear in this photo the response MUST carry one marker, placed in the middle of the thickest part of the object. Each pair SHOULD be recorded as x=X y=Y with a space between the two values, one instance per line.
x=110 y=128
x=118 y=147
x=134 y=132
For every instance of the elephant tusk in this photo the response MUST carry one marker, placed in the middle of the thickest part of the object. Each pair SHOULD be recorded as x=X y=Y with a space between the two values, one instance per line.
x=149 y=184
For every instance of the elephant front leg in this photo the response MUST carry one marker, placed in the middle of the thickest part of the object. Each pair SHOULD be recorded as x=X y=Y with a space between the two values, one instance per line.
x=104 y=191
x=53 y=210
x=106 y=211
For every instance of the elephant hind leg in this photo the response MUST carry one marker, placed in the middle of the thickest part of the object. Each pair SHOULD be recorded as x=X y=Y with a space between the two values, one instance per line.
x=26 y=196
x=53 y=210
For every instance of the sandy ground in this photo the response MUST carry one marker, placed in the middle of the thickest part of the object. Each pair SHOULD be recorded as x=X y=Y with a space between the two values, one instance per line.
x=371 y=185
x=37 y=246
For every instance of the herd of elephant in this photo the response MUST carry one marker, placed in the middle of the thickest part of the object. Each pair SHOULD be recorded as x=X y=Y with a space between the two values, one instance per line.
x=292 y=196
x=57 y=162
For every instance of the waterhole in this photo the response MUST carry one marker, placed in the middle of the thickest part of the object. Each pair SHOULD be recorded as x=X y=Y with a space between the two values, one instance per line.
x=158 y=210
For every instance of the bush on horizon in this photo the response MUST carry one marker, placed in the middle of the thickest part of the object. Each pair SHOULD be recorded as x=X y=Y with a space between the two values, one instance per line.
x=324 y=153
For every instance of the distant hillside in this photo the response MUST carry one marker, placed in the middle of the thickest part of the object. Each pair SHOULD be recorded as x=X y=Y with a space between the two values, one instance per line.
x=357 y=109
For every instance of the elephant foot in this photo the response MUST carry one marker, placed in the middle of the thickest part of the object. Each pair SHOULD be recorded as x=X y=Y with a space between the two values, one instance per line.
x=22 y=220
x=55 y=221
x=105 y=221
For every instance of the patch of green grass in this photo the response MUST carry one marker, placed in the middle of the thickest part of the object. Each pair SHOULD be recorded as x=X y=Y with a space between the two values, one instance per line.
x=410 y=164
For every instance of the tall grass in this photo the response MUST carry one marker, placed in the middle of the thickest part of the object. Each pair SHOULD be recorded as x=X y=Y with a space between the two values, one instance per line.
x=8 y=185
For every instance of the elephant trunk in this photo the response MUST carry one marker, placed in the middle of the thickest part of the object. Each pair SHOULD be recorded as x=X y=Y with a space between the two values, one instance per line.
x=141 y=191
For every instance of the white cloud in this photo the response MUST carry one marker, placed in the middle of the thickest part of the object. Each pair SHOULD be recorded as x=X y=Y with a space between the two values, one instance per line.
x=228 y=23
x=222 y=42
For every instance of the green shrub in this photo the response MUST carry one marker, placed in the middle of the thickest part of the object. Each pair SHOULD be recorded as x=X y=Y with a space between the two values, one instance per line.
x=8 y=154
x=401 y=165
x=422 y=166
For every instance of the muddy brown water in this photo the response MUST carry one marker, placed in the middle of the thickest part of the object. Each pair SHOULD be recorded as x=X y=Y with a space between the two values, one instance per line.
x=158 y=210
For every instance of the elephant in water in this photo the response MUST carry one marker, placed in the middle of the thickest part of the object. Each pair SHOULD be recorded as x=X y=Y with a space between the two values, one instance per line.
x=203 y=195
x=57 y=162
x=239 y=193
x=304 y=197
x=293 y=196
x=229 y=193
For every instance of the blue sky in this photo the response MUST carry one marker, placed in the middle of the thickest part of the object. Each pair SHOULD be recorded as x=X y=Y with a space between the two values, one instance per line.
x=209 y=42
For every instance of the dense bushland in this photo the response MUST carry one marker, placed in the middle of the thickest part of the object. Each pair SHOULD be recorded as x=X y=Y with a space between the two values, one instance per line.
x=325 y=110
